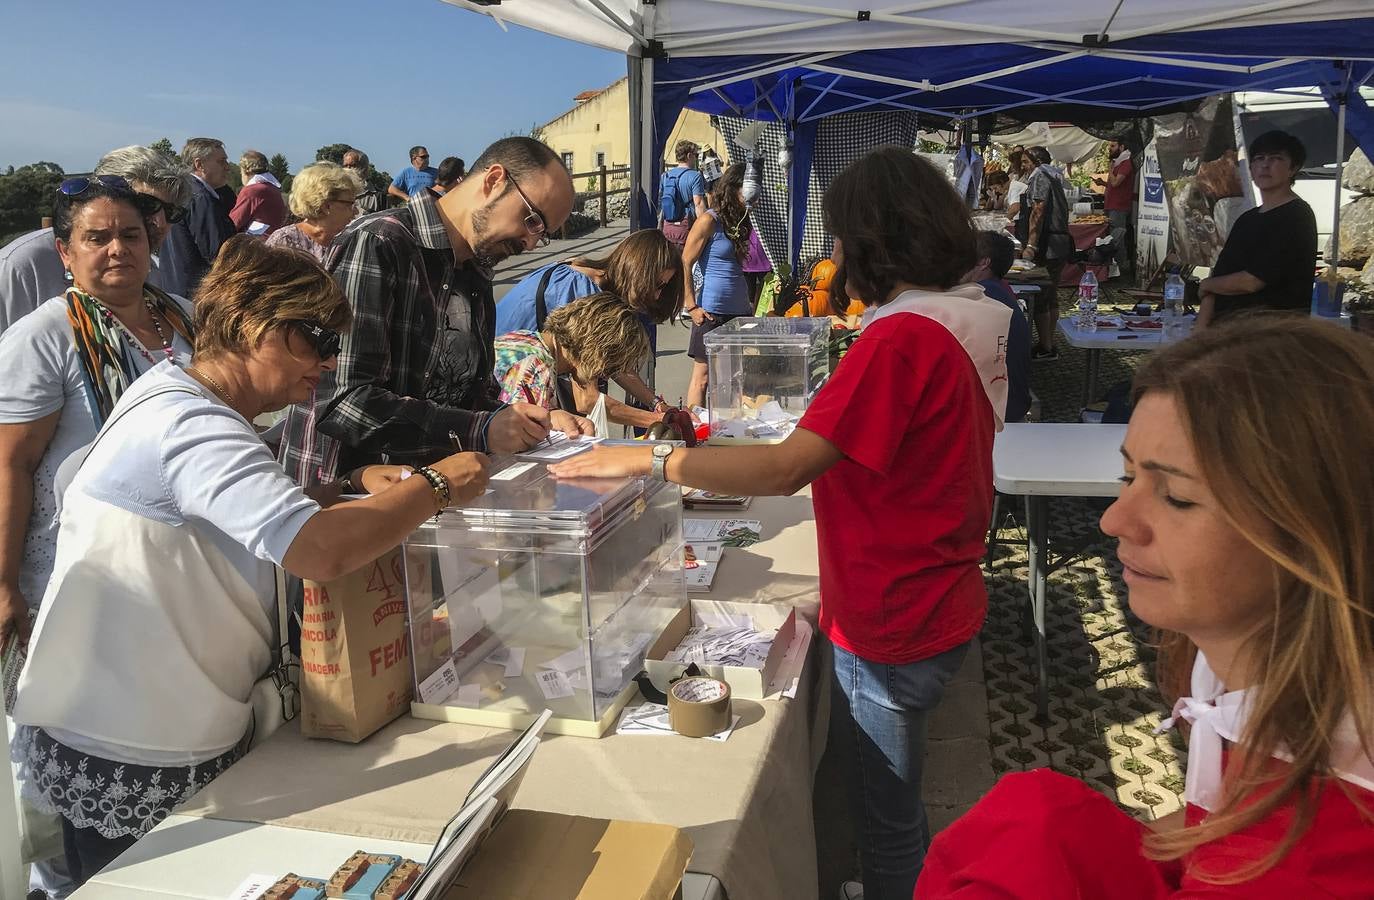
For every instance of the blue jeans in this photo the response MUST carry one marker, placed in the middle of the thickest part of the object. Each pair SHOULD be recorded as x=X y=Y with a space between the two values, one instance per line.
x=879 y=714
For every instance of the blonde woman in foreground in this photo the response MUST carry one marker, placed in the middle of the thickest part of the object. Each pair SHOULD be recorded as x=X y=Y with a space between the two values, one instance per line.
x=1245 y=537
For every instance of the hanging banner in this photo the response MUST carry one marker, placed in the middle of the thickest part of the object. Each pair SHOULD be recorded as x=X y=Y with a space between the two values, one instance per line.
x=1198 y=164
x=1152 y=220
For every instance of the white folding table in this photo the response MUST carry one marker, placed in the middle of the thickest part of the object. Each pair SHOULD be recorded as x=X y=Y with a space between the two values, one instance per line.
x=1039 y=460
x=1094 y=342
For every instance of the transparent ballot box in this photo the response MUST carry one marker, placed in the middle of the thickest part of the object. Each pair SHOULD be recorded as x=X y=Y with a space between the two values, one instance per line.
x=542 y=594
x=762 y=374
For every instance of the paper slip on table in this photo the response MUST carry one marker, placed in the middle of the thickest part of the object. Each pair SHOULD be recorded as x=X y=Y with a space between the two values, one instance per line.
x=1042 y=460
x=293 y=803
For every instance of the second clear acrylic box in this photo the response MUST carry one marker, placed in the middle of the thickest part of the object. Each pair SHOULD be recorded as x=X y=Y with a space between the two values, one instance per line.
x=762 y=374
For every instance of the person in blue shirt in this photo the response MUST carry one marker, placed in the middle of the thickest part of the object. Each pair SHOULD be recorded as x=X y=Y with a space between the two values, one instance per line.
x=690 y=189
x=995 y=253
x=415 y=178
x=720 y=242
x=645 y=270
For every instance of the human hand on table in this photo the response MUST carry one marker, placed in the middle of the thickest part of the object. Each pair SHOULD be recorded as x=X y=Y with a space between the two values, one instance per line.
x=466 y=474
x=573 y=426
x=606 y=462
x=517 y=427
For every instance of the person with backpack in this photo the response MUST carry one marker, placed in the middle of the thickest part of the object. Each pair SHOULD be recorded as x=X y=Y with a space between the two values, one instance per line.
x=1045 y=210
x=681 y=195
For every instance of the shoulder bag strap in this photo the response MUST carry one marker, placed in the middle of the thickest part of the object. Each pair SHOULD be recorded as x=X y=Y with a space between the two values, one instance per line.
x=541 y=308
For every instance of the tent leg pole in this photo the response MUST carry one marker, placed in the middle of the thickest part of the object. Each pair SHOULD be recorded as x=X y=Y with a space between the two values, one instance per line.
x=1340 y=173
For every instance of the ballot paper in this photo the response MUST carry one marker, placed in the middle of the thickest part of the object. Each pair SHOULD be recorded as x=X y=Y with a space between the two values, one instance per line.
x=728 y=646
x=700 y=562
x=559 y=446
x=652 y=718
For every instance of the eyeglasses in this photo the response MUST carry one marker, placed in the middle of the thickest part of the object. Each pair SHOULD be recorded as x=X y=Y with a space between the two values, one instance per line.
x=421 y=156
x=147 y=203
x=325 y=341
x=349 y=201
x=534 y=219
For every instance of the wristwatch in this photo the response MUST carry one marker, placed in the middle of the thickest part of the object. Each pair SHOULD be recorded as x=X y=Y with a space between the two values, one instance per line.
x=661 y=454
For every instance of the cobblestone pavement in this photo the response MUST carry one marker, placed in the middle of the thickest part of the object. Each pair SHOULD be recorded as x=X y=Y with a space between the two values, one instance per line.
x=1103 y=702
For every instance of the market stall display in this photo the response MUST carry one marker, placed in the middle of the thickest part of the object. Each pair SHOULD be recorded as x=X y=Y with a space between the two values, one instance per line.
x=542 y=594
x=762 y=375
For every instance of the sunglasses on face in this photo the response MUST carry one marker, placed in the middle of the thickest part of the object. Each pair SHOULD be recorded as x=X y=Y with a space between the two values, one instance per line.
x=534 y=219
x=325 y=341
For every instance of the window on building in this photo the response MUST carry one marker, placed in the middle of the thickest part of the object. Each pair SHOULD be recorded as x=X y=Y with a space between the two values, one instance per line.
x=600 y=160
x=568 y=160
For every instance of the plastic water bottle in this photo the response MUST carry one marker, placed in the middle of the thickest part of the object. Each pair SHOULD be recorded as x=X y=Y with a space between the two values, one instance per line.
x=1175 y=326
x=1087 y=302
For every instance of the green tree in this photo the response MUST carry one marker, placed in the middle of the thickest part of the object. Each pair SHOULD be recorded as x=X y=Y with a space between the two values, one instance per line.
x=164 y=145
x=26 y=197
x=332 y=153
x=277 y=165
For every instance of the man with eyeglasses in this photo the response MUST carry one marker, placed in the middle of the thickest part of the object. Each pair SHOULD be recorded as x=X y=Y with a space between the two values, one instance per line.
x=414 y=179
x=31 y=270
x=370 y=199
x=415 y=378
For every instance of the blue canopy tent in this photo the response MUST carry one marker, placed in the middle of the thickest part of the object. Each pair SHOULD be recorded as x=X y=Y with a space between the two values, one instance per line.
x=954 y=61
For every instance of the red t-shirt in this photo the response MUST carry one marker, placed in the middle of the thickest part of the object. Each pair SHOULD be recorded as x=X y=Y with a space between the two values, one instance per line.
x=901 y=520
x=1121 y=196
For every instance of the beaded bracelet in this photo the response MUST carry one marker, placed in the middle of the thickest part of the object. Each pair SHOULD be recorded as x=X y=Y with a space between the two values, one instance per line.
x=442 y=492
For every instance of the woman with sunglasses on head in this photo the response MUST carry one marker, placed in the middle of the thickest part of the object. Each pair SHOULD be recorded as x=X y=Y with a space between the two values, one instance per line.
x=1244 y=529
x=160 y=612
x=324 y=199
x=63 y=367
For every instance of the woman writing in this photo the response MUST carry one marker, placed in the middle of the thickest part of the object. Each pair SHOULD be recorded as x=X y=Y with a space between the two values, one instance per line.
x=1255 y=565
x=63 y=366
x=168 y=536
x=898 y=449
x=589 y=339
x=644 y=270
x=324 y=197
x=720 y=241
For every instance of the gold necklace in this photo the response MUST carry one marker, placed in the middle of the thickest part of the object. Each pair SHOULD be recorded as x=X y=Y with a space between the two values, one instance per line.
x=213 y=384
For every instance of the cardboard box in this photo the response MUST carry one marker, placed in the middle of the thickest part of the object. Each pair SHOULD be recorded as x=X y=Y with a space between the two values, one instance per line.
x=746 y=683
x=533 y=855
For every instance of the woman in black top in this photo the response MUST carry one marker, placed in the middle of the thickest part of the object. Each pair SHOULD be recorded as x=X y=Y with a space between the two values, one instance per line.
x=1271 y=252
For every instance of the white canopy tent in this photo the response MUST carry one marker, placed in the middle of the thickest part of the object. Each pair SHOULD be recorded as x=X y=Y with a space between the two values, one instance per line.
x=796 y=62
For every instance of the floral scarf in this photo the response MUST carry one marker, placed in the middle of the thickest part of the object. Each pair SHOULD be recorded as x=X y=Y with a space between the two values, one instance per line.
x=107 y=360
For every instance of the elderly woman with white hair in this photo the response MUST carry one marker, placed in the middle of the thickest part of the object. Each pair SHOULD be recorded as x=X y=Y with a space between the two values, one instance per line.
x=324 y=198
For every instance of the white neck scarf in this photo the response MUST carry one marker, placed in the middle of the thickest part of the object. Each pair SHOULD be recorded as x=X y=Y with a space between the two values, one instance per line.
x=979 y=322
x=1123 y=156
x=1216 y=714
x=265 y=178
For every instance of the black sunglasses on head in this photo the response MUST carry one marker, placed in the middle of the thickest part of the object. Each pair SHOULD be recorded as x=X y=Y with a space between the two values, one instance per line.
x=325 y=341
x=147 y=203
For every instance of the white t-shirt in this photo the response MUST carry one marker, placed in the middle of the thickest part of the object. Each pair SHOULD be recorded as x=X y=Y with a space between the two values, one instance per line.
x=1015 y=191
x=159 y=614
x=39 y=375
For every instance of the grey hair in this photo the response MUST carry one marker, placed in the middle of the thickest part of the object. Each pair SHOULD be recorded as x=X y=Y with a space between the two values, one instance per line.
x=151 y=167
x=362 y=158
x=198 y=149
x=253 y=162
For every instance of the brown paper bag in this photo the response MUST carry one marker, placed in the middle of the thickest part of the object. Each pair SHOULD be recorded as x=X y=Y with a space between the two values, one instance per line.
x=355 y=655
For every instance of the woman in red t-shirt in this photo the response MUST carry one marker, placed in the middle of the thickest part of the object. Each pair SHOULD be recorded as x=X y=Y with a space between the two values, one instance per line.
x=898 y=448
x=1245 y=532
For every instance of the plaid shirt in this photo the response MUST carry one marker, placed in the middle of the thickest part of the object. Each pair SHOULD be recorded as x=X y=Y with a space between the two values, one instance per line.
x=417 y=363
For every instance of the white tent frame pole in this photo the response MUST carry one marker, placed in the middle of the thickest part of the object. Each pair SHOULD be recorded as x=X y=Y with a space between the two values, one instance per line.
x=1010 y=70
x=750 y=74
x=1132 y=56
x=866 y=76
x=626 y=27
x=1340 y=169
x=819 y=97
x=734 y=107
x=1214 y=17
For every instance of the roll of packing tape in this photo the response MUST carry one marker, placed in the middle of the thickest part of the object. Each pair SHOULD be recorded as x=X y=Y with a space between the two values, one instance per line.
x=699 y=706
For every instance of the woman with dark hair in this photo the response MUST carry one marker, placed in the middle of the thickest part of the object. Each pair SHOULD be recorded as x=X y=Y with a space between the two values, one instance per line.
x=159 y=613
x=644 y=270
x=898 y=449
x=720 y=240
x=1254 y=565
x=63 y=366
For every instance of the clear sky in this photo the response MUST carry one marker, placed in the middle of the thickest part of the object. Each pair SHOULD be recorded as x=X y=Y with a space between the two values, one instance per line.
x=79 y=77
